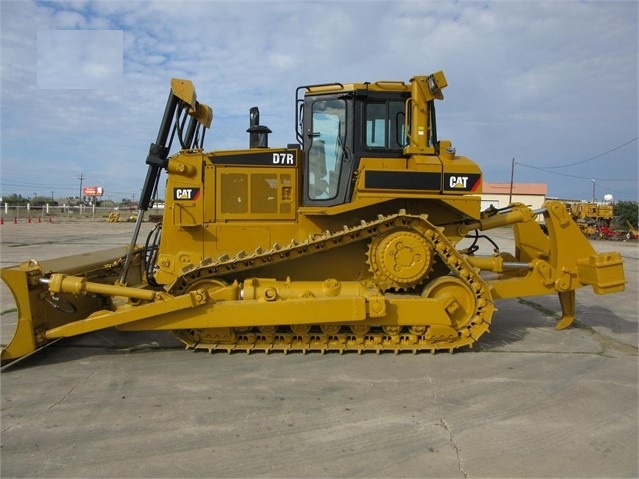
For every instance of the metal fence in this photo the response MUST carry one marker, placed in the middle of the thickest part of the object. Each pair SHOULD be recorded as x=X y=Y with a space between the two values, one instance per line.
x=41 y=214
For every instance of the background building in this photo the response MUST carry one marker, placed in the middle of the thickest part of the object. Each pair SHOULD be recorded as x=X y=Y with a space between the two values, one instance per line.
x=499 y=194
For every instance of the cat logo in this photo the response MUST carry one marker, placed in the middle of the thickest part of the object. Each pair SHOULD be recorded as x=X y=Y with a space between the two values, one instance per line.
x=458 y=182
x=186 y=193
x=470 y=182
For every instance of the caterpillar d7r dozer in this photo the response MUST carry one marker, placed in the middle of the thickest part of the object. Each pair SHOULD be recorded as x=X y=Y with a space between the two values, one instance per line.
x=346 y=240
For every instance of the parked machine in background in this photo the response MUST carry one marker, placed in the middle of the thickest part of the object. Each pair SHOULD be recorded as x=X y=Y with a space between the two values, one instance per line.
x=591 y=217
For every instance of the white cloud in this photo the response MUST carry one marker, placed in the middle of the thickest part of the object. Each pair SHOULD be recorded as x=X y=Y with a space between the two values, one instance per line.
x=80 y=59
x=545 y=82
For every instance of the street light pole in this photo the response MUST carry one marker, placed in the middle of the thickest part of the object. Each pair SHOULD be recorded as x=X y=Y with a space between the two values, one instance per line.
x=594 y=197
x=512 y=175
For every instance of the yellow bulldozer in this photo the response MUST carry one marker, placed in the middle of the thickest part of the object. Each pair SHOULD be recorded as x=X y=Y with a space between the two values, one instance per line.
x=346 y=240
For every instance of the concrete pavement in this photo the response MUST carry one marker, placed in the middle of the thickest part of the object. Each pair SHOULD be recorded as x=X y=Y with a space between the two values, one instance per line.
x=528 y=401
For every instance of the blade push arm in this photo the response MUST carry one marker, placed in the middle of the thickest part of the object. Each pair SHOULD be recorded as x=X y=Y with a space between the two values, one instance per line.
x=181 y=98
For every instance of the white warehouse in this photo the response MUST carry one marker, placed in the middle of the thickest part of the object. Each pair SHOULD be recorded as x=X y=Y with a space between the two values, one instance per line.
x=499 y=194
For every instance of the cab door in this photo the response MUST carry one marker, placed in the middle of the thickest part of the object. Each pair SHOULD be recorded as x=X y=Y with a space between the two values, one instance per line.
x=328 y=158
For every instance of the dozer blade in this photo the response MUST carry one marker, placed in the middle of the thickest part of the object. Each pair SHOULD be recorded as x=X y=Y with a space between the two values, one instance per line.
x=39 y=311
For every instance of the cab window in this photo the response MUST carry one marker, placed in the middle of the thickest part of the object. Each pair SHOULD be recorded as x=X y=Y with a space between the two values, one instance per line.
x=327 y=148
x=385 y=125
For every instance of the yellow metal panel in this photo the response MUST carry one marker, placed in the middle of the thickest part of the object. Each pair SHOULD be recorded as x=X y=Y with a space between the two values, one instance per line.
x=232 y=238
x=209 y=197
x=602 y=272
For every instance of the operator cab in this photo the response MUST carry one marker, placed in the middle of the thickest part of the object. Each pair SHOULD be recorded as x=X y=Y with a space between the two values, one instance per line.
x=340 y=125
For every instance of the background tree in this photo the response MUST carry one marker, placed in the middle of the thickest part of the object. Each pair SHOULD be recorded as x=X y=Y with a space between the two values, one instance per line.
x=42 y=201
x=626 y=211
x=15 y=200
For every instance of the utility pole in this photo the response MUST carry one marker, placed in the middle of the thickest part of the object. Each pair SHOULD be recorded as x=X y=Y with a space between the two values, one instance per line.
x=512 y=175
x=81 y=178
x=594 y=197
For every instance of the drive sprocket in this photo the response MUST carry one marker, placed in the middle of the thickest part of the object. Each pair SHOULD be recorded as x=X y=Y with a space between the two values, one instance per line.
x=400 y=260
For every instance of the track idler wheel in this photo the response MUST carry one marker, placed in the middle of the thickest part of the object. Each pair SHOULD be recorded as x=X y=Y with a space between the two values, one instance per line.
x=459 y=300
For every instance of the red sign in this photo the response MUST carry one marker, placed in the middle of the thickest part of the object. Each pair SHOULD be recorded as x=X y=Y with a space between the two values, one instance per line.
x=92 y=191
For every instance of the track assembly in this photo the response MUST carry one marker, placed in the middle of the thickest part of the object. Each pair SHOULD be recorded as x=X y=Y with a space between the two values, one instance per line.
x=401 y=251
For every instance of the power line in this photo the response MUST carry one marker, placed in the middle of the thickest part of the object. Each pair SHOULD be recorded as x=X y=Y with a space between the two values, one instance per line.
x=583 y=161
x=618 y=192
x=575 y=176
x=35 y=185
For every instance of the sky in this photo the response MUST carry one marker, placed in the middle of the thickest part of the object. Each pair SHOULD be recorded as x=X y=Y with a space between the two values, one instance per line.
x=552 y=85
